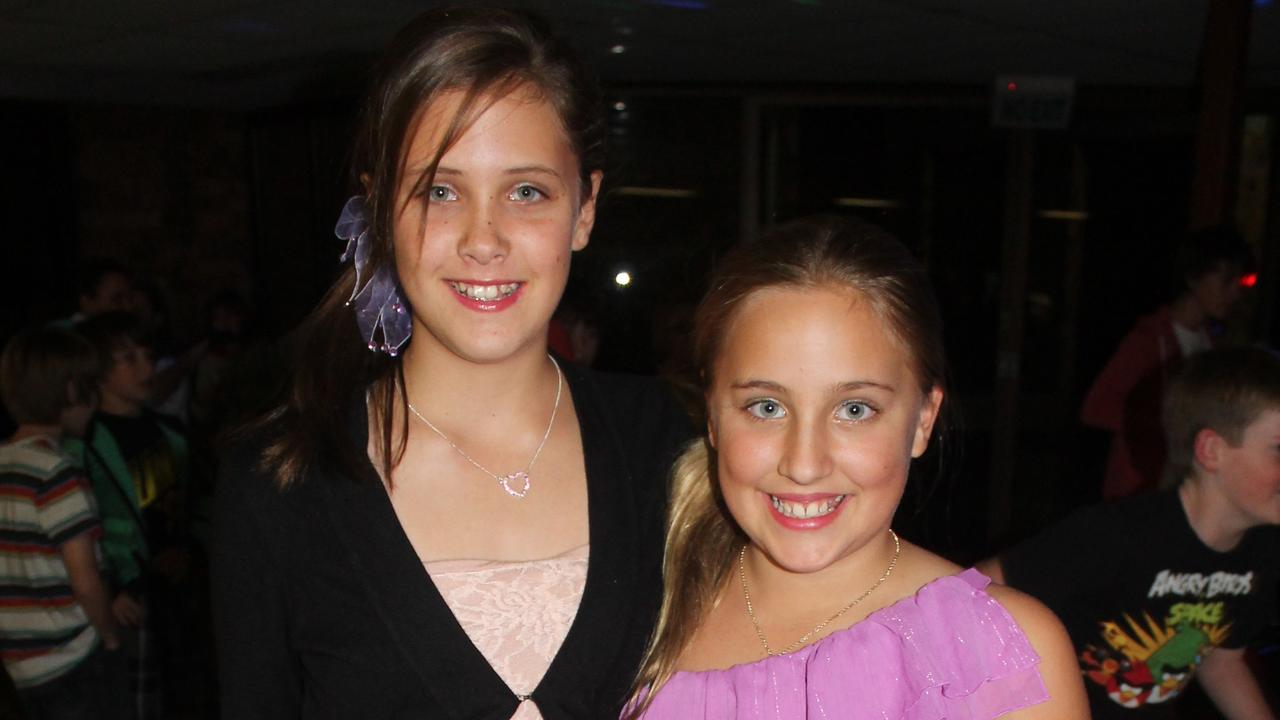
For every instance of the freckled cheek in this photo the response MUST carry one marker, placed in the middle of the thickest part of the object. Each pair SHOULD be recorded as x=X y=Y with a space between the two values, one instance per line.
x=408 y=244
x=416 y=247
x=540 y=233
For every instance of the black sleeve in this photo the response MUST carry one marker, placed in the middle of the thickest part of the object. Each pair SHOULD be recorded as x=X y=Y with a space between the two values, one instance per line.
x=1257 y=611
x=671 y=434
x=1064 y=559
x=258 y=674
x=650 y=435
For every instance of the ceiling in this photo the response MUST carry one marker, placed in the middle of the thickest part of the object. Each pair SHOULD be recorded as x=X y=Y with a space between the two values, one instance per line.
x=249 y=54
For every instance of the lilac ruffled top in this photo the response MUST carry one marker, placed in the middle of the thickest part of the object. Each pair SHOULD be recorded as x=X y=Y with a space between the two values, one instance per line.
x=949 y=651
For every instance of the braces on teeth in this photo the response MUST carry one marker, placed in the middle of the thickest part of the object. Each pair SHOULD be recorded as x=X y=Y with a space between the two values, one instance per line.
x=485 y=292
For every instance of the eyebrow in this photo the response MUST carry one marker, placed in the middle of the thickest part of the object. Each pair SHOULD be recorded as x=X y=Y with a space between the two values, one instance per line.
x=757 y=385
x=540 y=169
x=521 y=170
x=754 y=384
x=861 y=384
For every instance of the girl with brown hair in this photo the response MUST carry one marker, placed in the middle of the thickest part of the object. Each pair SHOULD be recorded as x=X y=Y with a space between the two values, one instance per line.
x=442 y=520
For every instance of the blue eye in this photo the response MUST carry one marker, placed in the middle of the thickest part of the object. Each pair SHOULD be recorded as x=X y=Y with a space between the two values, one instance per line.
x=855 y=411
x=526 y=193
x=766 y=409
x=441 y=193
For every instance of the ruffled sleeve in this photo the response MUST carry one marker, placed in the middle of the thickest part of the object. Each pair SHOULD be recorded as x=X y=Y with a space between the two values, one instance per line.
x=949 y=651
x=961 y=653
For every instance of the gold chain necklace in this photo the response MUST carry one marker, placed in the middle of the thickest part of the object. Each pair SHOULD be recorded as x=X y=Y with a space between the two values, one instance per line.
x=746 y=594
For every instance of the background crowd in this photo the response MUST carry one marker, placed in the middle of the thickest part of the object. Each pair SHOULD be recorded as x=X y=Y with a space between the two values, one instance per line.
x=168 y=306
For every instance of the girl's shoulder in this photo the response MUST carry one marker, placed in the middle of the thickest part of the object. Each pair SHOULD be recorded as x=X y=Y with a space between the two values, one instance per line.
x=1032 y=616
x=950 y=583
x=919 y=567
x=948 y=649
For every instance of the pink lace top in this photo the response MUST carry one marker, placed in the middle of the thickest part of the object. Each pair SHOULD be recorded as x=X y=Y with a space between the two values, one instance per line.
x=516 y=613
x=949 y=651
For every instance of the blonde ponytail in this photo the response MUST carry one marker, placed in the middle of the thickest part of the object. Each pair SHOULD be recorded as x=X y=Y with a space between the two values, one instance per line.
x=701 y=540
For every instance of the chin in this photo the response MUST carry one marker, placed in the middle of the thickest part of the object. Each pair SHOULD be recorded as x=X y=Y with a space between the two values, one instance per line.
x=495 y=352
x=801 y=560
x=485 y=350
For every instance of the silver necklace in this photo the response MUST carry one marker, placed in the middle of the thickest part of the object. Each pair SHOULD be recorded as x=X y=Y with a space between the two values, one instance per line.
x=746 y=594
x=517 y=483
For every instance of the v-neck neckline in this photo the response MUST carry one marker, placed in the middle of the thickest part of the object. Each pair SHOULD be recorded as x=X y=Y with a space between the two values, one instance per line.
x=423 y=627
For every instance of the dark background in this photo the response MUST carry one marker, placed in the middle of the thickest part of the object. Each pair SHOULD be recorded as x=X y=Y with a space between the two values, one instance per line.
x=204 y=144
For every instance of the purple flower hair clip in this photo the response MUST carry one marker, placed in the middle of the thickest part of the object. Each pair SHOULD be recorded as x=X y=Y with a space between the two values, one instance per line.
x=377 y=302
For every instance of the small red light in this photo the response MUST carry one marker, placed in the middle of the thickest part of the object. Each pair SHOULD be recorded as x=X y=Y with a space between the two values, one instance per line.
x=1249 y=280
x=1013 y=87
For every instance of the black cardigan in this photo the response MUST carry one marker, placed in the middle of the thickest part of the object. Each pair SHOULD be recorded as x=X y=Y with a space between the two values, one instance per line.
x=322 y=608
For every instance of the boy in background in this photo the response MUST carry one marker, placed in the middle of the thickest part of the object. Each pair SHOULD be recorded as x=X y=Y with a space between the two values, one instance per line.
x=56 y=626
x=1159 y=588
x=137 y=461
x=1125 y=398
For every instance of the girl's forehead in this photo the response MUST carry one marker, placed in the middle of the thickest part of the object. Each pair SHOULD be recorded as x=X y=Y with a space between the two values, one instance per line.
x=826 y=329
x=789 y=308
x=457 y=107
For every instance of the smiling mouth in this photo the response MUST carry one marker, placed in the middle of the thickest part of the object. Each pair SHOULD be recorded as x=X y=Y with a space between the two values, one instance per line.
x=484 y=293
x=809 y=510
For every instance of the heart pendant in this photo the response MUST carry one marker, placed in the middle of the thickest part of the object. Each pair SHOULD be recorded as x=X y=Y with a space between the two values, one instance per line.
x=516 y=478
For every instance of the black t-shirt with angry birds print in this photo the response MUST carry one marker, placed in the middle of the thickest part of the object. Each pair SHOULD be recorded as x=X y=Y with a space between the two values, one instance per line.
x=1144 y=599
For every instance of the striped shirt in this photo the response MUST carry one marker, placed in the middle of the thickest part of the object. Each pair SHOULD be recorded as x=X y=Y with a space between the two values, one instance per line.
x=45 y=501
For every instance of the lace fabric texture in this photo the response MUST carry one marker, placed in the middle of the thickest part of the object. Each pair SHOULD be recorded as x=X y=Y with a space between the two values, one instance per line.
x=517 y=614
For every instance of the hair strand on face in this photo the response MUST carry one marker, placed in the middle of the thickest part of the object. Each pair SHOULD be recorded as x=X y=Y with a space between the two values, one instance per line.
x=487 y=54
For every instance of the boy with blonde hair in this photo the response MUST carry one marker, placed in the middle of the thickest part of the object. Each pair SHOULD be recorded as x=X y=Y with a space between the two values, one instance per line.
x=1161 y=588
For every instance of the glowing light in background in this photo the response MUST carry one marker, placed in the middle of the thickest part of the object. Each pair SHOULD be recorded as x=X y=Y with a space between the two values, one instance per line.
x=618 y=49
x=1249 y=280
x=622 y=279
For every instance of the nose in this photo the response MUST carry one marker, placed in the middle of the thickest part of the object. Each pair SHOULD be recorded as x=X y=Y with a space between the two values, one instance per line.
x=806 y=455
x=482 y=240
